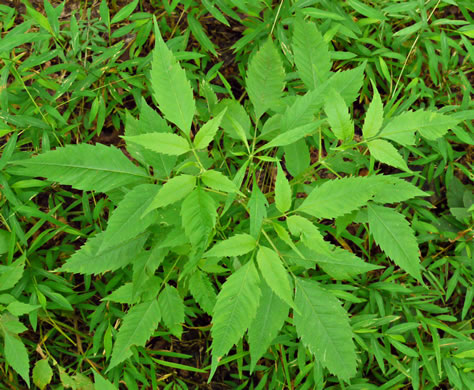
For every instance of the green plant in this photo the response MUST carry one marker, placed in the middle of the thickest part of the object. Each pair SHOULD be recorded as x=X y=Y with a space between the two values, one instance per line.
x=190 y=219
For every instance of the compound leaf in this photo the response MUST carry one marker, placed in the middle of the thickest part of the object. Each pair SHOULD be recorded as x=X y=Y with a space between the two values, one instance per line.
x=137 y=327
x=323 y=326
x=234 y=311
x=394 y=235
x=265 y=78
x=85 y=167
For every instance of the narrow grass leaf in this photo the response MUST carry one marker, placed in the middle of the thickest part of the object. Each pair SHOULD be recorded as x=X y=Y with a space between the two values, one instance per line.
x=323 y=326
x=394 y=235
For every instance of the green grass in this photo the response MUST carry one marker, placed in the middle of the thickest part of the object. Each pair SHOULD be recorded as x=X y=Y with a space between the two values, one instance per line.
x=87 y=74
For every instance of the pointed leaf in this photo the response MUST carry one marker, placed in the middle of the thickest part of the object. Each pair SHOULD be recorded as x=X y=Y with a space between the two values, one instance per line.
x=265 y=78
x=386 y=153
x=85 y=167
x=310 y=234
x=16 y=355
x=271 y=315
x=341 y=264
x=171 y=88
x=218 y=181
x=292 y=136
x=101 y=383
x=391 y=189
x=338 y=116
x=234 y=311
x=137 y=327
x=297 y=157
x=394 y=235
x=338 y=197
x=166 y=143
x=207 y=132
x=172 y=310
x=258 y=209
x=90 y=259
x=173 y=191
x=282 y=191
x=275 y=274
x=126 y=221
x=431 y=125
x=323 y=326
x=237 y=245
x=310 y=53
x=374 y=117
x=348 y=83
x=199 y=215
x=203 y=291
